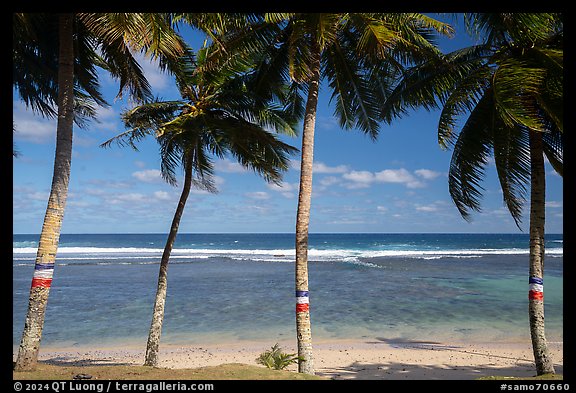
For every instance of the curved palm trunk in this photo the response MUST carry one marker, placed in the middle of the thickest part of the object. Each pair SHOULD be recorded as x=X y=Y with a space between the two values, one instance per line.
x=50 y=235
x=542 y=357
x=303 y=325
x=158 y=315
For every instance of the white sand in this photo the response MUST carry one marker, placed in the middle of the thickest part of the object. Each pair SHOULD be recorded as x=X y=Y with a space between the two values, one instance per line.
x=340 y=359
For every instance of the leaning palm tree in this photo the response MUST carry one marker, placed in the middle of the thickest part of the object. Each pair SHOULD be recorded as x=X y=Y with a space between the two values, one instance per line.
x=360 y=56
x=510 y=87
x=218 y=115
x=55 y=60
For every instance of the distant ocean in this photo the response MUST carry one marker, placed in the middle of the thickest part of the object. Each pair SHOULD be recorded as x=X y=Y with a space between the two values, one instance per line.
x=233 y=287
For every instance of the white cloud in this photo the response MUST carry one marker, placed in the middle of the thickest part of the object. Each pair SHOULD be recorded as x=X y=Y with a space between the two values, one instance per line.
x=502 y=211
x=78 y=203
x=363 y=179
x=127 y=198
x=82 y=140
x=295 y=164
x=34 y=128
x=156 y=77
x=427 y=174
x=320 y=167
x=329 y=181
x=258 y=195
x=31 y=127
x=359 y=176
x=345 y=221
x=148 y=175
x=427 y=208
x=288 y=190
x=218 y=181
x=105 y=183
x=257 y=209
x=39 y=195
x=394 y=176
x=398 y=176
x=229 y=166
x=554 y=204
x=107 y=119
x=106 y=113
x=162 y=195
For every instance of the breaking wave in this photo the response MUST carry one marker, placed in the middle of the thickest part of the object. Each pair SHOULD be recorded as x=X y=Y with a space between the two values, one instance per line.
x=145 y=255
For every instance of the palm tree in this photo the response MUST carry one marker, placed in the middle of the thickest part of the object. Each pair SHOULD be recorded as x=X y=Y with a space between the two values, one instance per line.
x=359 y=55
x=510 y=87
x=218 y=115
x=55 y=58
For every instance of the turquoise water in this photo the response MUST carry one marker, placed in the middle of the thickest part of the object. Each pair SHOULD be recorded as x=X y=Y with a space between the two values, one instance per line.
x=228 y=287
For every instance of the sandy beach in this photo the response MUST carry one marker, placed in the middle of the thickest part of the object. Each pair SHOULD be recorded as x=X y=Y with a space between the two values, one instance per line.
x=376 y=359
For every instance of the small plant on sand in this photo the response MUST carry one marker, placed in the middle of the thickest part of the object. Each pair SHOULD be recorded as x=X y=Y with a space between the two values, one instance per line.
x=276 y=359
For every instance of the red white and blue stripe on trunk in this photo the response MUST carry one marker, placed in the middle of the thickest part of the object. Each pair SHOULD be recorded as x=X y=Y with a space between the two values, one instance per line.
x=43 y=273
x=536 y=291
x=302 y=301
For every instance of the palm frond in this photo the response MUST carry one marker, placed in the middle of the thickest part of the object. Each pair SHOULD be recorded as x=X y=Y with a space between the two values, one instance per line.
x=202 y=164
x=512 y=159
x=252 y=146
x=298 y=48
x=171 y=152
x=356 y=104
x=144 y=120
x=278 y=17
x=325 y=27
x=417 y=37
x=464 y=96
x=121 y=64
x=35 y=61
x=525 y=29
x=554 y=149
x=431 y=83
x=35 y=67
x=244 y=42
x=184 y=149
x=516 y=86
x=550 y=97
x=430 y=23
x=119 y=35
x=470 y=157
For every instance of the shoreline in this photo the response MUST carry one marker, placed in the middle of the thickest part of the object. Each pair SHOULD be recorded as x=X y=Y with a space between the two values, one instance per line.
x=369 y=359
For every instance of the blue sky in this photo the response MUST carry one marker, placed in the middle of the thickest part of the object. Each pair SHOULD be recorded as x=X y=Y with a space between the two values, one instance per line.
x=396 y=184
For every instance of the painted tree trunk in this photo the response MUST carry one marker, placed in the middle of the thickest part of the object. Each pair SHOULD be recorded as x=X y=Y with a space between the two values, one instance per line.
x=153 y=343
x=303 y=324
x=542 y=357
x=50 y=235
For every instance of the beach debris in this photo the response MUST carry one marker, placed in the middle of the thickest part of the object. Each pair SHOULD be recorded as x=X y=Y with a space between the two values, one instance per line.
x=82 y=376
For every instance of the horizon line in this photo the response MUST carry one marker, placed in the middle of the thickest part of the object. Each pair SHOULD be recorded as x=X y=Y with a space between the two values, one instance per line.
x=293 y=233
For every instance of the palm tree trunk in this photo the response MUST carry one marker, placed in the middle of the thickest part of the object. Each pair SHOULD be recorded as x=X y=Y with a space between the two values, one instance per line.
x=303 y=325
x=542 y=357
x=158 y=315
x=50 y=235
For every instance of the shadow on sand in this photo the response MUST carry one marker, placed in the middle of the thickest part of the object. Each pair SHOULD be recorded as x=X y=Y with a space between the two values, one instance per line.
x=521 y=367
x=72 y=361
x=402 y=371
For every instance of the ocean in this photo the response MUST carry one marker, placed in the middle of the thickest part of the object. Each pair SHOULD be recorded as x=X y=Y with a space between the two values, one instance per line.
x=235 y=287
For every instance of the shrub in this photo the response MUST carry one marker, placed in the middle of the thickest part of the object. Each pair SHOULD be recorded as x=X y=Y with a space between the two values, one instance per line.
x=276 y=359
